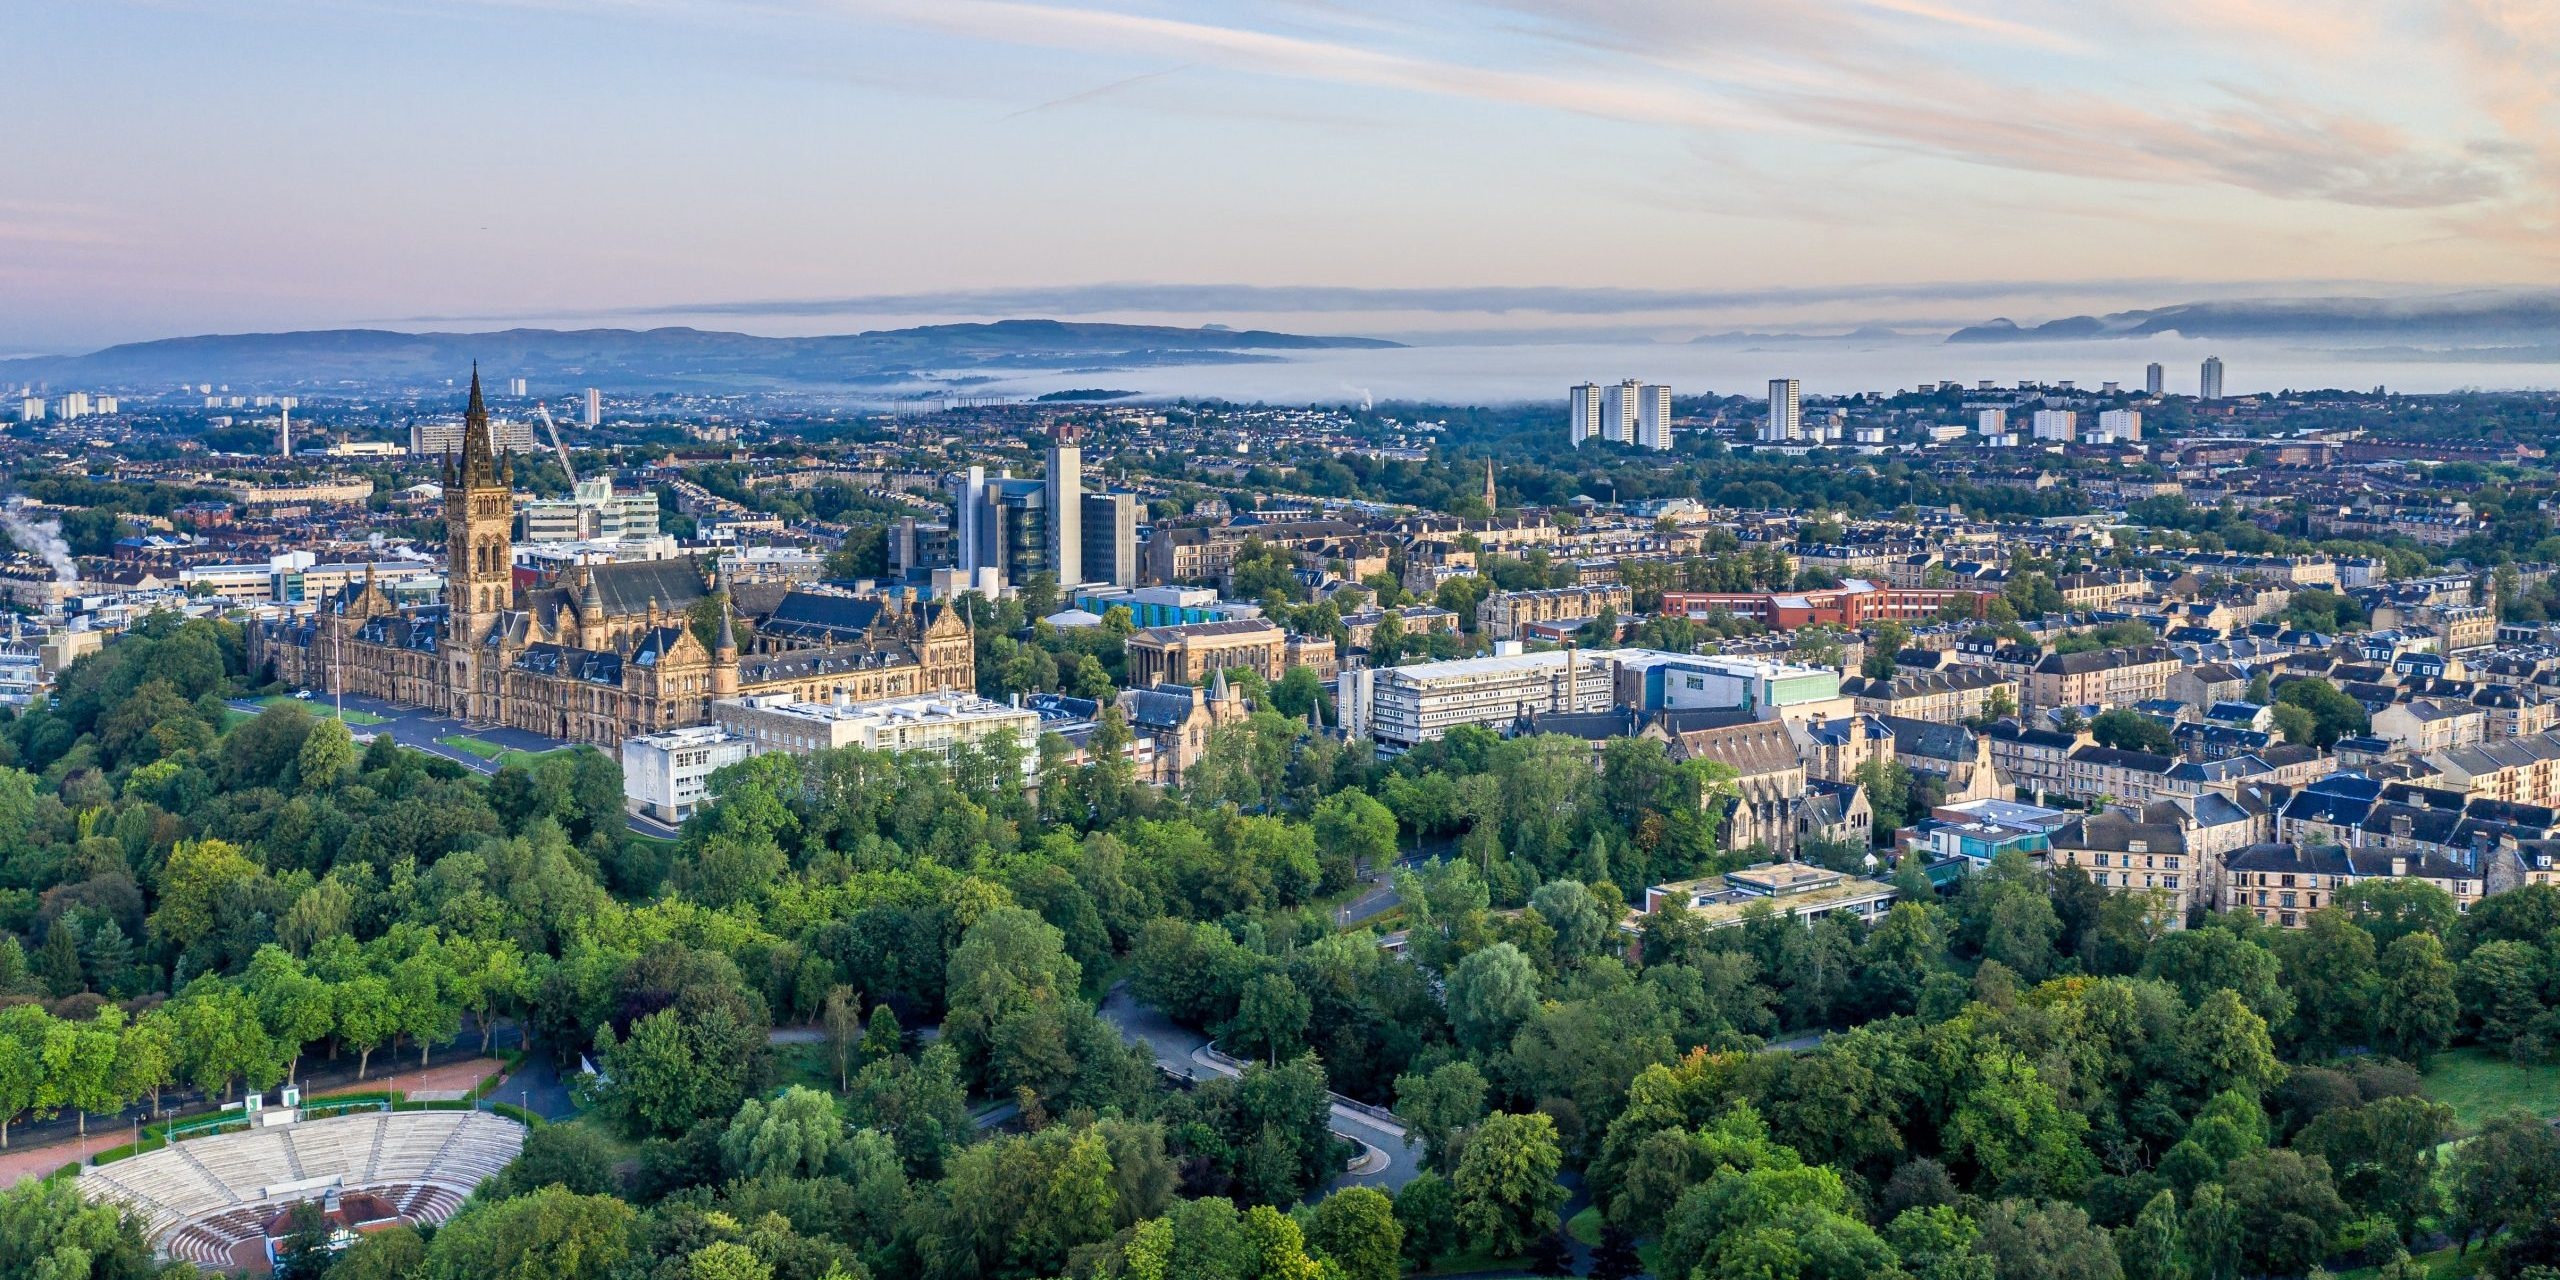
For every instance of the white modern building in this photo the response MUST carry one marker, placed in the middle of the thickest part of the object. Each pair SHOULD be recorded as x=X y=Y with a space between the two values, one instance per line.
x=1653 y=416
x=427 y=439
x=1991 y=422
x=1583 y=405
x=931 y=722
x=2119 y=426
x=515 y=387
x=31 y=409
x=2209 y=379
x=666 y=775
x=1786 y=412
x=595 y=511
x=74 y=405
x=1401 y=707
x=2056 y=424
x=2154 y=378
x=594 y=415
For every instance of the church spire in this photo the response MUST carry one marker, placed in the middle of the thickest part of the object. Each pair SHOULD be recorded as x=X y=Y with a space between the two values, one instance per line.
x=1489 y=507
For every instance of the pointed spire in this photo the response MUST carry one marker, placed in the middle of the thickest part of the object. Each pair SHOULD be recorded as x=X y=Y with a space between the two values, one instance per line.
x=478 y=410
x=1218 y=685
x=727 y=648
x=591 y=601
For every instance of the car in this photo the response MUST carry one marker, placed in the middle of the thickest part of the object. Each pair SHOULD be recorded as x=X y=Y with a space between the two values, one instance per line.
x=304 y=694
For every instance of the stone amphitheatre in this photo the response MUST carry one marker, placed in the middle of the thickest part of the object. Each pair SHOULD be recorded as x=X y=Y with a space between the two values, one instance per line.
x=219 y=1201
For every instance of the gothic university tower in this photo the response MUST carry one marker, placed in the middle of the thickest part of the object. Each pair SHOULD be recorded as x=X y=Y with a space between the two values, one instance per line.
x=479 y=514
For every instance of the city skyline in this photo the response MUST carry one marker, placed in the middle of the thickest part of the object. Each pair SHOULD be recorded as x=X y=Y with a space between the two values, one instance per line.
x=789 y=167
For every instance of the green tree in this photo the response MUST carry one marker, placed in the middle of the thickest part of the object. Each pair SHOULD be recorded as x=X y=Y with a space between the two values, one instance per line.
x=1428 y=1211
x=1506 y=1182
x=2504 y=1177
x=1271 y=1018
x=2153 y=1246
x=2334 y=714
x=2416 y=1010
x=2383 y=1155
x=2393 y=907
x=2289 y=1211
x=1491 y=993
x=367 y=1019
x=2049 y=1241
x=1440 y=1106
x=796 y=1135
x=1351 y=829
x=2329 y=966
x=328 y=754
x=1356 y=1229
x=294 y=1007
x=50 y=1231
x=552 y=1234
x=2500 y=985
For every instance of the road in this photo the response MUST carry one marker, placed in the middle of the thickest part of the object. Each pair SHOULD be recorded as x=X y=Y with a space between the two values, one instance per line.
x=412 y=727
x=1177 y=1050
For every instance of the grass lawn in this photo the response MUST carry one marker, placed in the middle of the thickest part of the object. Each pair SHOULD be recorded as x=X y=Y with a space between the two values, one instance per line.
x=1585 y=1226
x=2478 y=1084
x=482 y=748
x=322 y=708
x=813 y=1065
x=2440 y=1265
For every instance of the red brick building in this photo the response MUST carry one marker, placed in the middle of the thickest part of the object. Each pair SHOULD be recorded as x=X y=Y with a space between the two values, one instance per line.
x=1852 y=604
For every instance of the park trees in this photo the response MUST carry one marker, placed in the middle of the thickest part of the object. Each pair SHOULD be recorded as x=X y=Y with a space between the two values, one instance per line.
x=1506 y=1182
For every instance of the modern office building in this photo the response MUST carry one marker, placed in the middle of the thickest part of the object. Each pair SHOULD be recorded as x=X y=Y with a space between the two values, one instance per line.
x=1584 y=406
x=2056 y=424
x=594 y=511
x=934 y=722
x=1009 y=528
x=1110 y=533
x=594 y=415
x=1786 y=412
x=1066 y=508
x=2209 y=379
x=2119 y=426
x=666 y=775
x=515 y=387
x=2153 y=378
x=1991 y=422
x=1401 y=707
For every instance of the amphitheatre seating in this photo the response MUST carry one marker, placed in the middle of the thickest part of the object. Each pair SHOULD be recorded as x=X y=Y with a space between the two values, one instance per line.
x=202 y=1197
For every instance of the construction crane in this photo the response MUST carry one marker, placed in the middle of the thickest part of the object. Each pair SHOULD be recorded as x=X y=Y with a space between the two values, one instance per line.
x=544 y=409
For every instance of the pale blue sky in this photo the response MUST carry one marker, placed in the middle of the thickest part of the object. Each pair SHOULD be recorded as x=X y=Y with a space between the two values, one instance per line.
x=186 y=166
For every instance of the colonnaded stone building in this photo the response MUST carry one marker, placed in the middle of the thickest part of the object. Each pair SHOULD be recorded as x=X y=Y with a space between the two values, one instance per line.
x=607 y=653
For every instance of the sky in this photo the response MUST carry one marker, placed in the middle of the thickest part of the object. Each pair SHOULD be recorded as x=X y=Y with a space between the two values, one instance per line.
x=1401 y=167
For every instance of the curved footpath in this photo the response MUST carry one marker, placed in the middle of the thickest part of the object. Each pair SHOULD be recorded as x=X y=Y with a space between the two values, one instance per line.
x=1390 y=1161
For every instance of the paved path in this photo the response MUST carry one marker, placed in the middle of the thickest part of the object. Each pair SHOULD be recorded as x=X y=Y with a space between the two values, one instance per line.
x=418 y=729
x=1178 y=1049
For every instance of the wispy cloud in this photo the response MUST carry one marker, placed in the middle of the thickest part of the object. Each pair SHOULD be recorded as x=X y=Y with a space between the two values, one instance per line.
x=1851 y=71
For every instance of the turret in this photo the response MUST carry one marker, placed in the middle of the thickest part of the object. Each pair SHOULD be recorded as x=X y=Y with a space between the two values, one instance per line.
x=724 y=657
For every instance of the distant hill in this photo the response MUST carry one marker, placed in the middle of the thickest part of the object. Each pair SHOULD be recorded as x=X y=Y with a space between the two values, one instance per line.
x=2445 y=319
x=660 y=359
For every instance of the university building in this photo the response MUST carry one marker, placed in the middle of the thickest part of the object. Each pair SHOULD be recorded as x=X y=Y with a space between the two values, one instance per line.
x=604 y=655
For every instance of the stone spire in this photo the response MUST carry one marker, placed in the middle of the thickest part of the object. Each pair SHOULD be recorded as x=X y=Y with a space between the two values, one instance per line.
x=1489 y=507
x=727 y=649
x=591 y=600
x=479 y=458
x=1218 y=685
